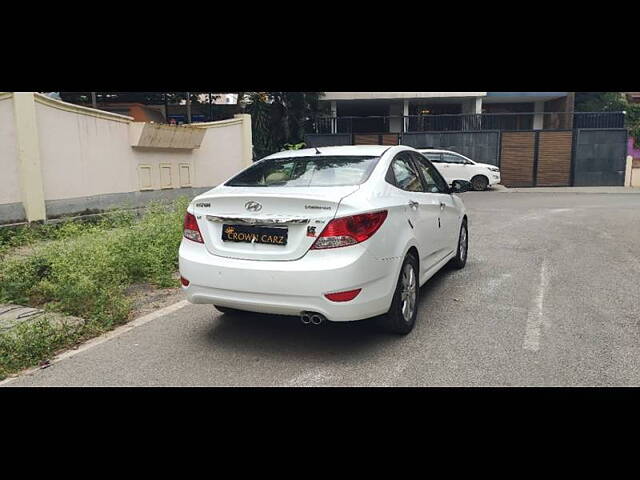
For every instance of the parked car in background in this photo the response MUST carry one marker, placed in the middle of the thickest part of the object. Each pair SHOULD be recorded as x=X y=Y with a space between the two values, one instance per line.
x=453 y=166
x=334 y=233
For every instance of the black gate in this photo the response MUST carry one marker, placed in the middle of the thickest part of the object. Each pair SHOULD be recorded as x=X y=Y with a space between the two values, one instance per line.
x=599 y=157
x=481 y=147
x=327 y=139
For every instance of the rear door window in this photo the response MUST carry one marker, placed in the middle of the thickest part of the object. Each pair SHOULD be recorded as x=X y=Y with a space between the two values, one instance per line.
x=451 y=158
x=406 y=176
x=434 y=183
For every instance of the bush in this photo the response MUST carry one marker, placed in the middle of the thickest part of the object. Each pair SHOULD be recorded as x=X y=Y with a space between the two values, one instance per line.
x=83 y=268
x=31 y=343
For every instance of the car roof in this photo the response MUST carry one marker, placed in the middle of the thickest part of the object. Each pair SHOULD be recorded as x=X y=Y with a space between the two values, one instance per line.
x=435 y=150
x=365 y=150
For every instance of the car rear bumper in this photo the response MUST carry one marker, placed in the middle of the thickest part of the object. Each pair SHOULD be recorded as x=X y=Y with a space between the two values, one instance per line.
x=291 y=287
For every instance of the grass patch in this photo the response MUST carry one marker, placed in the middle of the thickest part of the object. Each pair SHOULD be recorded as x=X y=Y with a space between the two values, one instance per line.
x=83 y=269
x=31 y=343
x=25 y=235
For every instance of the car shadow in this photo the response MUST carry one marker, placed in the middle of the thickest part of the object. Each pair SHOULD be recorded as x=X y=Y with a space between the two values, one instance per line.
x=265 y=335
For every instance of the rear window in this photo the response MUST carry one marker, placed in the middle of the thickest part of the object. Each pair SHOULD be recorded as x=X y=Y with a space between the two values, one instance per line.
x=307 y=172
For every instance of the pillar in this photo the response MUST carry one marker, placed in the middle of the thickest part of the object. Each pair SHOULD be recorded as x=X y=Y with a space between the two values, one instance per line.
x=334 y=116
x=473 y=105
x=28 y=149
x=405 y=113
x=247 y=139
x=396 y=112
x=538 y=117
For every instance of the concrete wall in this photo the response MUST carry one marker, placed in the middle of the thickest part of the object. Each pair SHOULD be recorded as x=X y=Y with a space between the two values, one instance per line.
x=9 y=180
x=91 y=160
x=11 y=209
x=632 y=177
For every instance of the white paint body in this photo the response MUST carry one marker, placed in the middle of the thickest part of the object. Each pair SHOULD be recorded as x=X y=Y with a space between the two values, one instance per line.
x=294 y=278
x=463 y=171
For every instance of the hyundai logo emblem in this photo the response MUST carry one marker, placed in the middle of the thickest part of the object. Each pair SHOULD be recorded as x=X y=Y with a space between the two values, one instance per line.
x=253 y=206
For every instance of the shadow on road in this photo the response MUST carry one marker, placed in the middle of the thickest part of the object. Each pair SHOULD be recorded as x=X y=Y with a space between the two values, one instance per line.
x=264 y=335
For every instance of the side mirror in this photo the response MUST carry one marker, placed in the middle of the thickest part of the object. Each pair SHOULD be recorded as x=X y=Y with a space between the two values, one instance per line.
x=460 y=186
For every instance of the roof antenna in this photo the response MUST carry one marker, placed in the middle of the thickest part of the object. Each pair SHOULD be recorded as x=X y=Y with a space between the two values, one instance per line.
x=318 y=152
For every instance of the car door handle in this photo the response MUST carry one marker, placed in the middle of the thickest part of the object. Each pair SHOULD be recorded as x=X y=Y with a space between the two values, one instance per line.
x=413 y=204
x=442 y=205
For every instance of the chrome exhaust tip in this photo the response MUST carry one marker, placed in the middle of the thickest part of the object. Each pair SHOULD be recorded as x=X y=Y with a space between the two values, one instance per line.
x=306 y=319
x=317 y=319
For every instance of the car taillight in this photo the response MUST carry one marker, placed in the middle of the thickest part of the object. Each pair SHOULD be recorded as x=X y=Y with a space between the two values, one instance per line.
x=191 y=229
x=342 y=232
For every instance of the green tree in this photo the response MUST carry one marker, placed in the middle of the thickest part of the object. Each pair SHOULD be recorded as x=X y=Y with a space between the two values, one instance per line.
x=279 y=118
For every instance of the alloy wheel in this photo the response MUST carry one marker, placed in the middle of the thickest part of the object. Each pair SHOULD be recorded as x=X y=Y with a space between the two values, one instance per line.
x=409 y=292
x=464 y=243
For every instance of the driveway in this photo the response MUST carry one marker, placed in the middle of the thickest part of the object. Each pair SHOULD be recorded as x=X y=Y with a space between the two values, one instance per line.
x=549 y=297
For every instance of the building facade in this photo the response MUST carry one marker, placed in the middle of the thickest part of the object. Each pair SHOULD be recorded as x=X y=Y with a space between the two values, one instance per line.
x=535 y=138
x=397 y=112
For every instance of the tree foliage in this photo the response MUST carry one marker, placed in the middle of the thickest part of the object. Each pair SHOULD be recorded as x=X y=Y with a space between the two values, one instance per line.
x=146 y=98
x=279 y=118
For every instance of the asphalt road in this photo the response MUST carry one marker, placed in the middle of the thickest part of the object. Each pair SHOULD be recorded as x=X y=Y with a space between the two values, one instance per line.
x=550 y=296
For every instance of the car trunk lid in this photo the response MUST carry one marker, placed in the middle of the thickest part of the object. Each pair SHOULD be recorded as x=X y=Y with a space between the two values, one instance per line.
x=266 y=223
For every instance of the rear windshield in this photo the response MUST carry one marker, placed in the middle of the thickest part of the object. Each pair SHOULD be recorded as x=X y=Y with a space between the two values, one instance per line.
x=306 y=172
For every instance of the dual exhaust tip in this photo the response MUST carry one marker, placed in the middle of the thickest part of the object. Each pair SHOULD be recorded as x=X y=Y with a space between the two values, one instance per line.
x=308 y=318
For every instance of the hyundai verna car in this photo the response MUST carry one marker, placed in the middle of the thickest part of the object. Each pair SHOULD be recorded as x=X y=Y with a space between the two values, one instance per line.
x=334 y=233
x=453 y=166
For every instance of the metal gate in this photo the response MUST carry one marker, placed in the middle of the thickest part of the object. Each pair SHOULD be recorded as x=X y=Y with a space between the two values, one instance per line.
x=536 y=158
x=600 y=157
x=327 y=140
x=554 y=159
x=517 y=159
x=479 y=146
x=375 y=139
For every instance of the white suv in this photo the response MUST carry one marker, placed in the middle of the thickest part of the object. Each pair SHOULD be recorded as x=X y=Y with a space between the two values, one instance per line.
x=453 y=166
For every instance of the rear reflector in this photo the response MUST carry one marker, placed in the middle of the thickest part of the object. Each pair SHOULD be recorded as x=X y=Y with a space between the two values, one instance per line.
x=191 y=229
x=184 y=281
x=343 y=296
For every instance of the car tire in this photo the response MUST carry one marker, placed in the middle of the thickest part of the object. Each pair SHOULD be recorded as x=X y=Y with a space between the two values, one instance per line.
x=397 y=320
x=480 y=183
x=460 y=260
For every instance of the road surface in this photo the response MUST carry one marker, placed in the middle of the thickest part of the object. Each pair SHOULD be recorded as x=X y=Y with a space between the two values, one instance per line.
x=550 y=296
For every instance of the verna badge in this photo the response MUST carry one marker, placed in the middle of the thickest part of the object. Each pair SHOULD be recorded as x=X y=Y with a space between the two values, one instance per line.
x=253 y=206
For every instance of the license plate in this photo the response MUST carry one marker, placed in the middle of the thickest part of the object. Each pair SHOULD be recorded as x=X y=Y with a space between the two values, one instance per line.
x=254 y=234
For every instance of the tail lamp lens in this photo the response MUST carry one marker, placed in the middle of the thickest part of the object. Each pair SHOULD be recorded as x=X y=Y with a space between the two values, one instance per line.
x=191 y=229
x=342 y=232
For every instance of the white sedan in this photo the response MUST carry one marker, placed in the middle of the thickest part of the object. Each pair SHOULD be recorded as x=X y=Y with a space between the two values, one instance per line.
x=454 y=166
x=335 y=233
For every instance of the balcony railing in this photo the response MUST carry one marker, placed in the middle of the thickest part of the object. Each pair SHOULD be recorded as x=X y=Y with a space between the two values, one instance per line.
x=467 y=122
